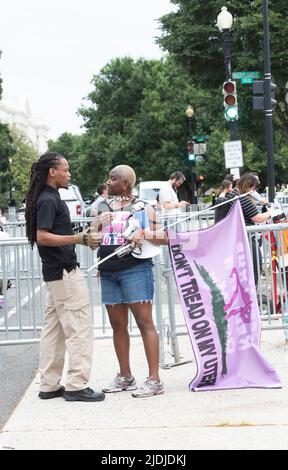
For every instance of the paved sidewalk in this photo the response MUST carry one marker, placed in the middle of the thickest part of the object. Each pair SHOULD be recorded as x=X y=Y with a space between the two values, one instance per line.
x=179 y=419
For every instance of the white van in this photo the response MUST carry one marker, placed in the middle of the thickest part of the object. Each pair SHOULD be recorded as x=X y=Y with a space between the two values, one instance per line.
x=73 y=198
x=148 y=191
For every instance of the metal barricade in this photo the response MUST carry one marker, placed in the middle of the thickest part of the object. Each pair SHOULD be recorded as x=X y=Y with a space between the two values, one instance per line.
x=271 y=267
x=23 y=305
x=21 y=315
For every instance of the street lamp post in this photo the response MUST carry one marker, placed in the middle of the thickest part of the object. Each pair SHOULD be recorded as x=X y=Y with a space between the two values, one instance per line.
x=191 y=155
x=268 y=104
x=224 y=23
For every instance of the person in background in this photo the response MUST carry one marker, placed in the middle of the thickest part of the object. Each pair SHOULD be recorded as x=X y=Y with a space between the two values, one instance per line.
x=93 y=210
x=222 y=195
x=158 y=205
x=168 y=194
x=246 y=183
x=256 y=197
x=229 y=177
x=68 y=321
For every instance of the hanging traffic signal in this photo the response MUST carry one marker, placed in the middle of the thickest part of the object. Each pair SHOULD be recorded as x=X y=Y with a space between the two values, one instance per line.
x=230 y=101
x=191 y=154
x=260 y=95
x=190 y=147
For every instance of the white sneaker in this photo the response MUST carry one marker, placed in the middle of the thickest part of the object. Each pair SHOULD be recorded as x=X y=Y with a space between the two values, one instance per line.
x=121 y=384
x=149 y=388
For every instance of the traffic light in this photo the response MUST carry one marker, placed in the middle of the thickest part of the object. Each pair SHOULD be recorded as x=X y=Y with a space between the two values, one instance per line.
x=230 y=101
x=191 y=154
x=190 y=147
x=258 y=95
x=260 y=98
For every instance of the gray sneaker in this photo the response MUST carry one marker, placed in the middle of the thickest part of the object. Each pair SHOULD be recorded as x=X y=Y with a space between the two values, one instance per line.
x=120 y=384
x=149 y=388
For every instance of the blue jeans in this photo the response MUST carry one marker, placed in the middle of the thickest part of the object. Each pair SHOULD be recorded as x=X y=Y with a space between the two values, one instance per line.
x=135 y=284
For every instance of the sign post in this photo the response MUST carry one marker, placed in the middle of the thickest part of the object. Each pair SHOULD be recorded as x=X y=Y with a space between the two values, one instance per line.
x=233 y=154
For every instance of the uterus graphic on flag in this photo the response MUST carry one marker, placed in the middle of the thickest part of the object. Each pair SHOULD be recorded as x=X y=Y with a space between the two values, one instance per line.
x=216 y=285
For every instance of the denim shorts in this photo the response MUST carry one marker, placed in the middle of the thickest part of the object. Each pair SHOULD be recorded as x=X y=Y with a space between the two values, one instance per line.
x=135 y=284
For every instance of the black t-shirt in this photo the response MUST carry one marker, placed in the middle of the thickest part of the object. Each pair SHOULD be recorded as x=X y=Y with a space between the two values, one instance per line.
x=248 y=208
x=52 y=214
x=116 y=263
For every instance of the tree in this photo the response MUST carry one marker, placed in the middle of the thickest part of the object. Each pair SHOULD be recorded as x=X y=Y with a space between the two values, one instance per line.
x=136 y=116
x=6 y=151
x=191 y=37
x=23 y=155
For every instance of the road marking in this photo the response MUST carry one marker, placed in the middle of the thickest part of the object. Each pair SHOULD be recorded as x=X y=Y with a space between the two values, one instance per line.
x=23 y=303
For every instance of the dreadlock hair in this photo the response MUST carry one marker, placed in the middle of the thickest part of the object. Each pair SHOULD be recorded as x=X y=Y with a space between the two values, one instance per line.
x=38 y=178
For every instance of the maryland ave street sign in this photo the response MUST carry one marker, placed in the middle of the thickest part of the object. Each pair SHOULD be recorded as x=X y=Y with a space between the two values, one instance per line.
x=240 y=75
x=247 y=77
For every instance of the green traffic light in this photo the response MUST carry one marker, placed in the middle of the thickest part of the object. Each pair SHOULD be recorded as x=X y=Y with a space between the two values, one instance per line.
x=231 y=113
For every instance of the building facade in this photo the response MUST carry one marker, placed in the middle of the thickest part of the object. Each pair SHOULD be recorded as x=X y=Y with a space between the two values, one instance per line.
x=17 y=112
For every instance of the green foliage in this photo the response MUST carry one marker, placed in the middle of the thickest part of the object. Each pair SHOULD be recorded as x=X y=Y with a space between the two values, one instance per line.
x=17 y=156
x=191 y=37
x=24 y=154
x=6 y=152
x=135 y=113
x=137 y=117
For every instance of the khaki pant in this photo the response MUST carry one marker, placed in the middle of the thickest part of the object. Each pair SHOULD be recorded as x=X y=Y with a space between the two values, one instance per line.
x=68 y=325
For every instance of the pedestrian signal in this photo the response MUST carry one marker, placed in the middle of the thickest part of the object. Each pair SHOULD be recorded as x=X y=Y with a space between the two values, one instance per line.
x=260 y=95
x=190 y=147
x=230 y=101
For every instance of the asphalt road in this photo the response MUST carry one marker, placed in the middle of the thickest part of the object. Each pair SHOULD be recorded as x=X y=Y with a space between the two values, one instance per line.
x=18 y=365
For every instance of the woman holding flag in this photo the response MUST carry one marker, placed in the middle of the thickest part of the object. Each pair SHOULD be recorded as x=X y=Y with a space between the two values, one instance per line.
x=127 y=281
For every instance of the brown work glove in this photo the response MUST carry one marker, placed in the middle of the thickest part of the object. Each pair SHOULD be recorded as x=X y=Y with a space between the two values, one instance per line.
x=91 y=239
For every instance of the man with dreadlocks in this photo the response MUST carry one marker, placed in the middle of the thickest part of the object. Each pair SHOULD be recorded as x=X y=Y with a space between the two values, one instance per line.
x=68 y=317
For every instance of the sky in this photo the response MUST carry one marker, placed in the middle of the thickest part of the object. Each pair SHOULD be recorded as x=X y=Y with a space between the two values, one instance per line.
x=51 y=49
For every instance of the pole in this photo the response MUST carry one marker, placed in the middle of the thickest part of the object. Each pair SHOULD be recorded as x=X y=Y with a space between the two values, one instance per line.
x=193 y=180
x=268 y=104
x=193 y=174
x=228 y=76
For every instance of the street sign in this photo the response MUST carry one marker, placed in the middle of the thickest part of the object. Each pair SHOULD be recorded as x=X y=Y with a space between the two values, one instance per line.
x=199 y=149
x=246 y=80
x=233 y=154
x=200 y=138
x=235 y=172
x=246 y=74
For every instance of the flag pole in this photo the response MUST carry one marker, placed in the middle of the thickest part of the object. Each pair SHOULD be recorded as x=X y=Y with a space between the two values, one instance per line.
x=123 y=248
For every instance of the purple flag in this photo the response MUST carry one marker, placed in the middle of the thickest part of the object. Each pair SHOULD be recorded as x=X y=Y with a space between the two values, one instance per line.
x=214 y=275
